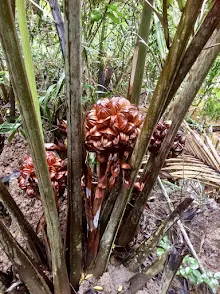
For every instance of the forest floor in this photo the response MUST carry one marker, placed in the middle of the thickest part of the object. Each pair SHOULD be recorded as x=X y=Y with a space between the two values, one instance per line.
x=202 y=223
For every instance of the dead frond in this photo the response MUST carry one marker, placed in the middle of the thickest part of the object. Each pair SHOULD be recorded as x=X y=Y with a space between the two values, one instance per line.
x=200 y=160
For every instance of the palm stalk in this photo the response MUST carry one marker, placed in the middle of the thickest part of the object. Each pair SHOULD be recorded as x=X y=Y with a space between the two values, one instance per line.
x=177 y=113
x=168 y=73
x=54 y=5
x=165 y=24
x=138 y=64
x=25 y=43
x=138 y=281
x=23 y=94
x=33 y=243
x=27 y=269
x=175 y=259
x=206 y=29
x=74 y=137
x=166 y=79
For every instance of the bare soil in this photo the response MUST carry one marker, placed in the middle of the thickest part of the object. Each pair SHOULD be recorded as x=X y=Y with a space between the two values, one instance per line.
x=202 y=225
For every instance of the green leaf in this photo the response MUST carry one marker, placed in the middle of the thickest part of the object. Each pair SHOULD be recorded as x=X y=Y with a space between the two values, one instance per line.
x=12 y=134
x=166 y=239
x=210 y=274
x=114 y=17
x=7 y=127
x=217 y=275
x=112 y=7
x=188 y=270
x=192 y=279
x=160 y=38
x=183 y=272
x=214 y=282
x=204 y=276
x=88 y=86
x=96 y=15
x=59 y=85
x=197 y=274
x=160 y=251
x=193 y=263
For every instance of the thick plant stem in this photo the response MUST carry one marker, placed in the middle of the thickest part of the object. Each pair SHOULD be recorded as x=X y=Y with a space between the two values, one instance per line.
x=138 y=64
x=33 y=242
x=101 y=72
x=21 y=88
x=206 y=29
x=74 y=137
x=28 y=271
x=179 y=44
x=174 y=261
x=167 y=76
x=138 y=281
x=26 y=48
x=59 y=23
x=108 y=206
x=165 y=24
x=177 y=113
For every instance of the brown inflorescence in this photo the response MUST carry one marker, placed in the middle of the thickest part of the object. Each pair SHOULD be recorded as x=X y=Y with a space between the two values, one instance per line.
x=158 y=136
x=178 y=144
x=58 y=174
x=112 y=125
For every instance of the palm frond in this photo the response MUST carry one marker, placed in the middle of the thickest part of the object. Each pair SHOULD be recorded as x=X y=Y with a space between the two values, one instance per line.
x=200 y=160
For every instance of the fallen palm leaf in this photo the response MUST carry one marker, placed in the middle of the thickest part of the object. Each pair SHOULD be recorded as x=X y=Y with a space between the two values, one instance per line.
x=200 y=161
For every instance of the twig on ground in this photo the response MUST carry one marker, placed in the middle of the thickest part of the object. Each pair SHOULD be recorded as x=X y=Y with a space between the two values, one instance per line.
x=138 y=281
x=183 y=231
x=180 y=225
x=174 y=261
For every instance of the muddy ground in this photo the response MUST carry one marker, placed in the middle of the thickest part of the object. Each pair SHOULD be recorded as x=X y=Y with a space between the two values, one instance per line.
x=202 y=224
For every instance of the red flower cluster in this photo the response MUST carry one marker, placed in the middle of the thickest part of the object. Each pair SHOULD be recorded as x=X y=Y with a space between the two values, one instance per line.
x=112 y=124
x=58 y=174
